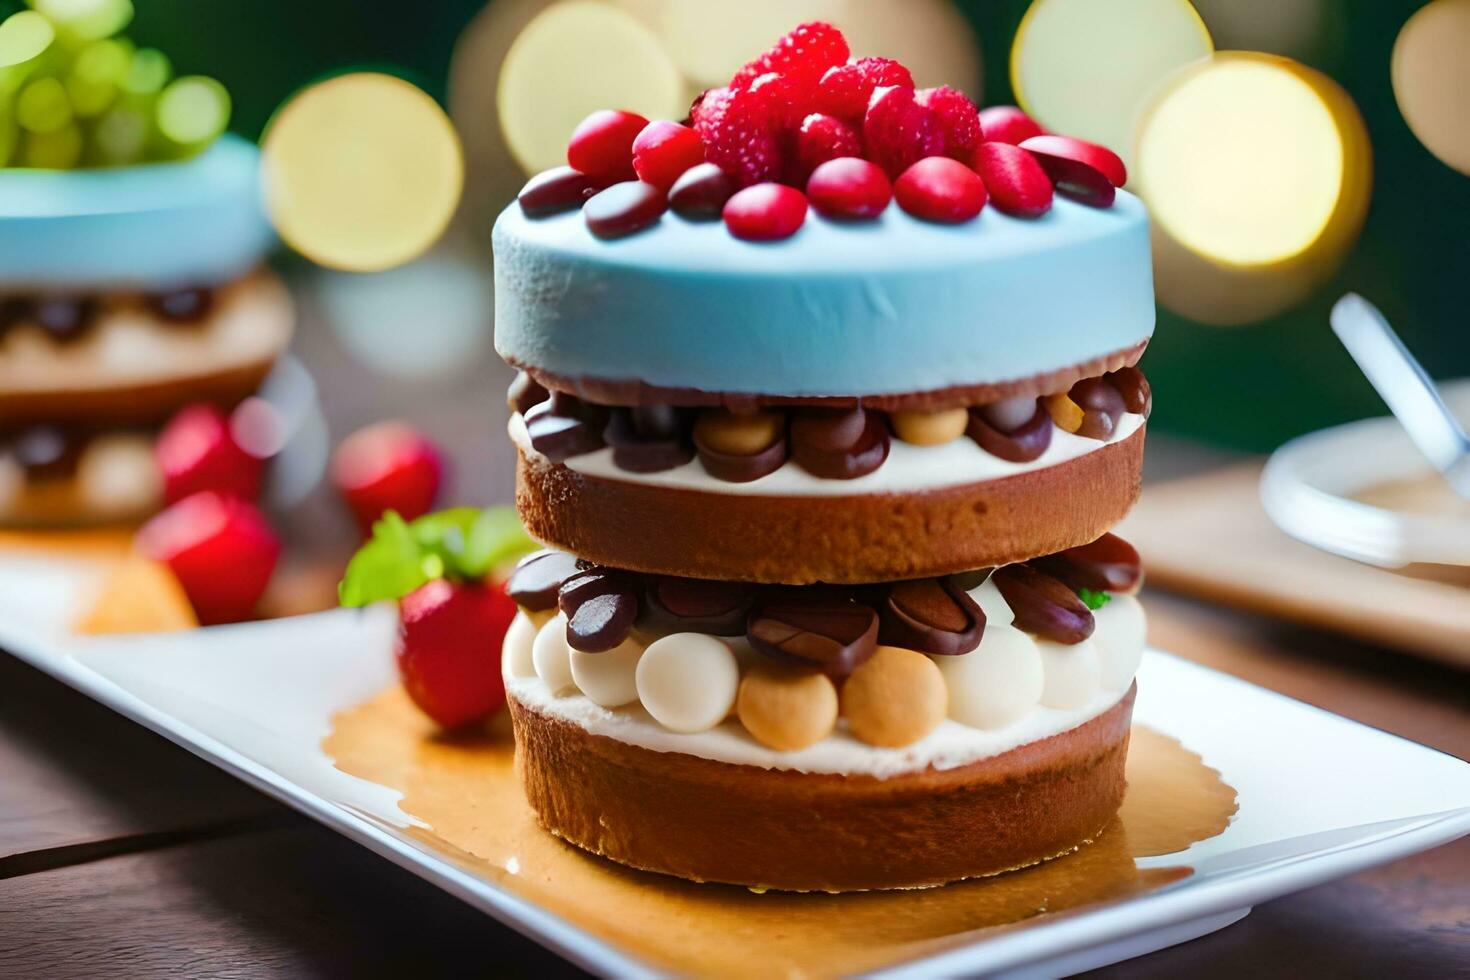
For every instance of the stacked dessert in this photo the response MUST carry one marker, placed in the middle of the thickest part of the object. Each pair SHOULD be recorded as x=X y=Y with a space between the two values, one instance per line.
x=830 y=601
x=129 y=287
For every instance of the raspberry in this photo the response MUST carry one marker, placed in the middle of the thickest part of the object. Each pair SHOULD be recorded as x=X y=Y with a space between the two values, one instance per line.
x=899 y=132
x=738 y=137
x=777 y=98
x=844 y=90
x=803 y=55
x=849 y=187
x=602 y=144
x=387 y=466
x=822 y=138
x=765 y=212
x=940 y=189
x=664 y=150
x=958 y=120
x=1016 y=182
x=1007 y=124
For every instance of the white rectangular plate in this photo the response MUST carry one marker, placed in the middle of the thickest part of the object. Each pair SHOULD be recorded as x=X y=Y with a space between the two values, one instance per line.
x=1319 y=796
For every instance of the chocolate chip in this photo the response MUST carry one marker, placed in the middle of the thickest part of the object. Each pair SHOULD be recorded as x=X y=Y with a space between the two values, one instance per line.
x=1134 y=387
x=691 y=605
x=701 y=191
x=182 y=305
x=822 y=630
x=600 y=605
x=624 y=208
x=564 y=426
x=1043 y=605
x=64 y=318
x=524 y=393
x=1102 y=406
x=649 y=438
x=1108 y=564
x=839 y=443
x=1022 y=446
x=538 y=577
x=931 y=616
x=555 y=190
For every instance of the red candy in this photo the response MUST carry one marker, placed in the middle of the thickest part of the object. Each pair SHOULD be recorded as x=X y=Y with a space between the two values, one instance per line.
x=602 y=144
x=624 y=208
x=822 y=138
x=221 y=550
x=804 y=54
x=387 y=466
x=850 y=187
x=1007 y=124
x=899 y=132
x=1016 y=182
x=765 y=212
x=740 y=134
x=701 y=192
x=958 y=119
x=448 y=649
x=197 y=451
x=1083 y=180
x=940 y=189
x=845 y=90
x=555 y=190
x=664 y=150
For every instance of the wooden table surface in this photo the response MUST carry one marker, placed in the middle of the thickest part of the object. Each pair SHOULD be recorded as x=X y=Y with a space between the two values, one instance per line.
x=123 y=854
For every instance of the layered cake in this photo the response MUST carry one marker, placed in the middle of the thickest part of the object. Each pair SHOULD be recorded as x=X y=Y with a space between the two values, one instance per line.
x=827 y=401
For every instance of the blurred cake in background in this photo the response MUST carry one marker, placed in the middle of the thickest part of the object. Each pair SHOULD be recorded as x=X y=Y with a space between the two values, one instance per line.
x=131 y=237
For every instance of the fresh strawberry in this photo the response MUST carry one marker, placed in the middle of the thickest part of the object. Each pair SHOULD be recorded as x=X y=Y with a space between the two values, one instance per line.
x=387 y=466
x=845 y=90
x=1016 y=181
x=898 y=132
x=197 y=451
x=221 y=550
x=803 y=55
x=602 y=144
x=1007 y=124
x=448 y=650
x=822 y=138
x=740 y=133
x=664 y=150
x=958 y=119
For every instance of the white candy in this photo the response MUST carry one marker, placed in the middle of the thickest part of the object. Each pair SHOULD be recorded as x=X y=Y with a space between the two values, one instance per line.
x=988 y=598
x=1073 y=673
x=515 y=652
x=1119 y=637
x=998 y=683
x=609 y=678
x=688 y=681
x=550 y=655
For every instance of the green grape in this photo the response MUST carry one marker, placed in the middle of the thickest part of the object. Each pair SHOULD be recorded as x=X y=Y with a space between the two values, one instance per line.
x=23 y=38
x=149 y=72
x=86 y=20
x=9 y=132
x=120 y=136
x=96 y=75
x=58 y=150
x=43 y=106
x=193 y=110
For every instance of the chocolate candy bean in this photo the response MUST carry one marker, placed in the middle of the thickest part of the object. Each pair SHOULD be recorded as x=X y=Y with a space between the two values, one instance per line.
x=816 y=629
x=624 y=208
x=555 y=190
x=1134 y=387
x=600 y=605
x=64 y=318
x=839 y=443
x=538 y=577
x=1108 y=564
x=1066 y=414
x=932 y=616
x=524 y=393
x=563 y=426
x=1043 y=605
x=648 y=438
x=701 y=191
x=1021 y=446
x=1102 y=406
x=1009 y=414
x=691 y=605
x=182 y=305
x=739 y=447
x=45 y=452
x=929 y=428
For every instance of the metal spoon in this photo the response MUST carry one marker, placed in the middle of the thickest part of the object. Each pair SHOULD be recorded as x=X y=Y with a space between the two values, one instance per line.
x=1403 y=384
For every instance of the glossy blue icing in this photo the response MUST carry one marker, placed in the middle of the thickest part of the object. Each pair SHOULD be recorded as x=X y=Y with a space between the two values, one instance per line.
x=884 y=307
x=157 y=225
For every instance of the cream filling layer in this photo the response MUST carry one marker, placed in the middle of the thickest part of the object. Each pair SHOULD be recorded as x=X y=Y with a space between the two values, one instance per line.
x=908 y=467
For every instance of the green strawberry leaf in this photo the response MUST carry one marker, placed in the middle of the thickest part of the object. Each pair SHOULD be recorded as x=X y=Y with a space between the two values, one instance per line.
x=463 y=543
x=388 y=566
x=1094 y=599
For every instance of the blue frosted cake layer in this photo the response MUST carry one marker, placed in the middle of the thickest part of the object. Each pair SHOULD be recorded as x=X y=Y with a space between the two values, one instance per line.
x=892 y=306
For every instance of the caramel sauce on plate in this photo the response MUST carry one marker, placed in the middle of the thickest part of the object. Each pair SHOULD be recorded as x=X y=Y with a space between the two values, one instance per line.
x=465 y=793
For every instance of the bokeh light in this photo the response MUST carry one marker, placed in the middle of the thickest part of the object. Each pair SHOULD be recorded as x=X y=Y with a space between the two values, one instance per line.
x=1256 y=170
x=710 y=41
x=1084 y=68
x=362 y=172
x=1431 y=79
x=931 y=37
x=572 y=59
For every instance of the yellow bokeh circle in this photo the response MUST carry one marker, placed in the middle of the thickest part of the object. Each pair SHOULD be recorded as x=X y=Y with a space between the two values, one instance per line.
x=1257 y=172
x=362 y=172
x=1431 y=79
